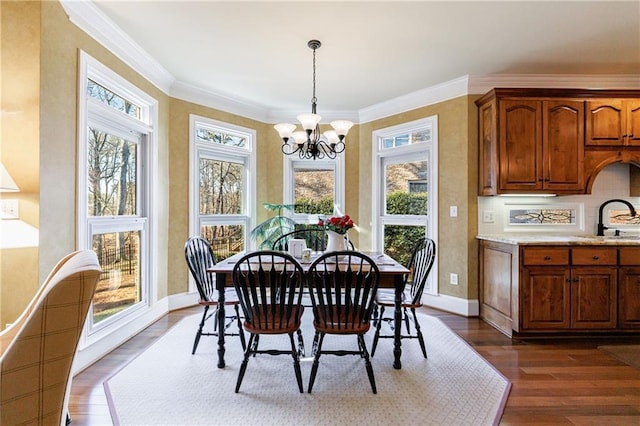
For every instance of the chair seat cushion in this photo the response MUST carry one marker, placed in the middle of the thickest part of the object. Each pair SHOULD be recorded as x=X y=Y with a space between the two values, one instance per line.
x=268 y=320
x=387 y=297
x=332 y=322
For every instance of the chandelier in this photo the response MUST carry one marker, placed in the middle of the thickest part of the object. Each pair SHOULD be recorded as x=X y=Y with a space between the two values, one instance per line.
x=309 y=143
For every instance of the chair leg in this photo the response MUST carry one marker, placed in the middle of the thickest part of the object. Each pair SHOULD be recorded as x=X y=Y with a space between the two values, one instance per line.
x=406 y=320
x=314 y=367
x=419 y=333
x=377 y=335
x=301 y=350
x=240 y=331
x=245 y=361
x=199 y=332
x=367 y=363
x=296 y=362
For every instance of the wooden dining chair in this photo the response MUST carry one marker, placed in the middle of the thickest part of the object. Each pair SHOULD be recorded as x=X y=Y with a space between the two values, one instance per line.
x=269 y=286
x=199 y=256
x=342 y=286
x=420 y=264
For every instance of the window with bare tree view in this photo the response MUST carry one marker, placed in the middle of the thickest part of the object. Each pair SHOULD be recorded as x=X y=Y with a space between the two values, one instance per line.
x=223 y=155
x=114 y=153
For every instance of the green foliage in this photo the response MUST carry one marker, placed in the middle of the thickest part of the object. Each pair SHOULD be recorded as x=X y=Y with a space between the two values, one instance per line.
x=407 y=203
x=271 y=229
x=398 y=239
x=324 y=206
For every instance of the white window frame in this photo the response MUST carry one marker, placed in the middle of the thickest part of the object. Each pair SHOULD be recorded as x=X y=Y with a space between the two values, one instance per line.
x=94 y=113
x=337 y=164
x=245 y=155
x=403 y=154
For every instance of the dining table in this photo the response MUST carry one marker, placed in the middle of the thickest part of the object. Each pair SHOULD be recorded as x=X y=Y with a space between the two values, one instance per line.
x=392 y=275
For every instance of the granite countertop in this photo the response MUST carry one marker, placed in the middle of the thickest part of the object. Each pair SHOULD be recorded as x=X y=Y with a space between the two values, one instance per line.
x=578 y=240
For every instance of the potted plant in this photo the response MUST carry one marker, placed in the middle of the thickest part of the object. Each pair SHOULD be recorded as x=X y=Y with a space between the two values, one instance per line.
x=274 y=227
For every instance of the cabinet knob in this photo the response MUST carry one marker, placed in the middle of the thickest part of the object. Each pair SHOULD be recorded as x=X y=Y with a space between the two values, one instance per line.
x=596 y=257
x=547 y=258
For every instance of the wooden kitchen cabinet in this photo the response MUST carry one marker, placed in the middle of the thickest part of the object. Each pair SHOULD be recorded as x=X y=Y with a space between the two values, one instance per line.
x=531 y=145
x=629 y=288
x=553 y=140
x=559 y=289
x=613 y=122
x=569 y=297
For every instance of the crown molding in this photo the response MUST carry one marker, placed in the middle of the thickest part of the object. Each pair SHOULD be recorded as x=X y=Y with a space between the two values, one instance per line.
x=90 y=19
x=481 y=84
x=441 y=92
x=233 y=105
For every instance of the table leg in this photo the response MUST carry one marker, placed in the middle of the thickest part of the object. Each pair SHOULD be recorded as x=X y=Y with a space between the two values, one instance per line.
x=397 y=319
x=220 y=285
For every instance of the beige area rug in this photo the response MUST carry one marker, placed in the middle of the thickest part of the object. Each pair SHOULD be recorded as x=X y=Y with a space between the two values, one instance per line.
x=629 y=354
x=167 y=385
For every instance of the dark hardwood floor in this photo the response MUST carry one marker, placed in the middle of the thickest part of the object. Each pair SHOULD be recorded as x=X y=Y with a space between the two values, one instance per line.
x=559 y=381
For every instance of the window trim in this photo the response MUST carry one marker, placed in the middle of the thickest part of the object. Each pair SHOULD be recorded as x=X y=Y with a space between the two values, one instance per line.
x=338 y=165
x=379 y=153
x=89 y=112
x=197 y=150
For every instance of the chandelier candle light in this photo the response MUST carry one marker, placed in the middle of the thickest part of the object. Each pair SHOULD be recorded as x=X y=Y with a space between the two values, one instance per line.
x=310 y=143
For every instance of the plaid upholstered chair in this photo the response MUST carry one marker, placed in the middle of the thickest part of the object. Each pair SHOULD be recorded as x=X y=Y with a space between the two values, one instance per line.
x=37 y=350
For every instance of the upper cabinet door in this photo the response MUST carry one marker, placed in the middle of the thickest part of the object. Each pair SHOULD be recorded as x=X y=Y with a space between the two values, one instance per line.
x=520 y=147
x=563 y=145
x=613 y=122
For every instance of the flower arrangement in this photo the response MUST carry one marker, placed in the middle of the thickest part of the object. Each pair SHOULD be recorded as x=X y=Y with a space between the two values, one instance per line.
x=338 y=224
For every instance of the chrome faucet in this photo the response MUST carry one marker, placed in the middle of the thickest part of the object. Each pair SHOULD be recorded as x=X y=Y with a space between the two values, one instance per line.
x=601 y=226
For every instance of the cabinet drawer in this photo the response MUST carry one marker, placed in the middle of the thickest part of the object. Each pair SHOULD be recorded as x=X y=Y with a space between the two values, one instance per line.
x=630 y=256
x=546 y=256
x=594 y=256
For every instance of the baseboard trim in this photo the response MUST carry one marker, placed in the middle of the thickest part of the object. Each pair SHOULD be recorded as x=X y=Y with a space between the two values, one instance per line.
x=455 y=305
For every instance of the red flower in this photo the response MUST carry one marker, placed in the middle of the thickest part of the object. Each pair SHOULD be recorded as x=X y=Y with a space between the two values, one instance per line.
x=339 y=224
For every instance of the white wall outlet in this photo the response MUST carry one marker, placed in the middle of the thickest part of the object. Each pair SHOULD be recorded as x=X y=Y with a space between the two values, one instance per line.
x=9 y=209
x=453 y=279
x=453 y=211
x=488 y=216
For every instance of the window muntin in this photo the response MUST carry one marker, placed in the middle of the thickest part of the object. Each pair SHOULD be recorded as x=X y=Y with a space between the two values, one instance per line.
x=112 y=166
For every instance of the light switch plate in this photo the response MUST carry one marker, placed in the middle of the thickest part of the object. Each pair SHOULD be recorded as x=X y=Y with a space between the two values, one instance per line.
x=9 y=209
x=453 y=211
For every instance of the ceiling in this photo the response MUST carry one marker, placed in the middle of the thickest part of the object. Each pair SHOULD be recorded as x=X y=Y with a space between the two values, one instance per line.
x=372 y=52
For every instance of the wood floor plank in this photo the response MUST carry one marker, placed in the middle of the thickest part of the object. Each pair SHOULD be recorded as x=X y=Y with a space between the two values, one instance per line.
x=554 y=381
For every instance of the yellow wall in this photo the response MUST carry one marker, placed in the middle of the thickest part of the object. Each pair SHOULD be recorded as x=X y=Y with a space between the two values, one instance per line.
x=55 y=45
x=19 y=152
x=179 y=176
x=457 y=176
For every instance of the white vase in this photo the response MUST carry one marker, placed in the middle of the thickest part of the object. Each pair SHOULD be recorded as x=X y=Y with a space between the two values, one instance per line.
x=335 y=241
